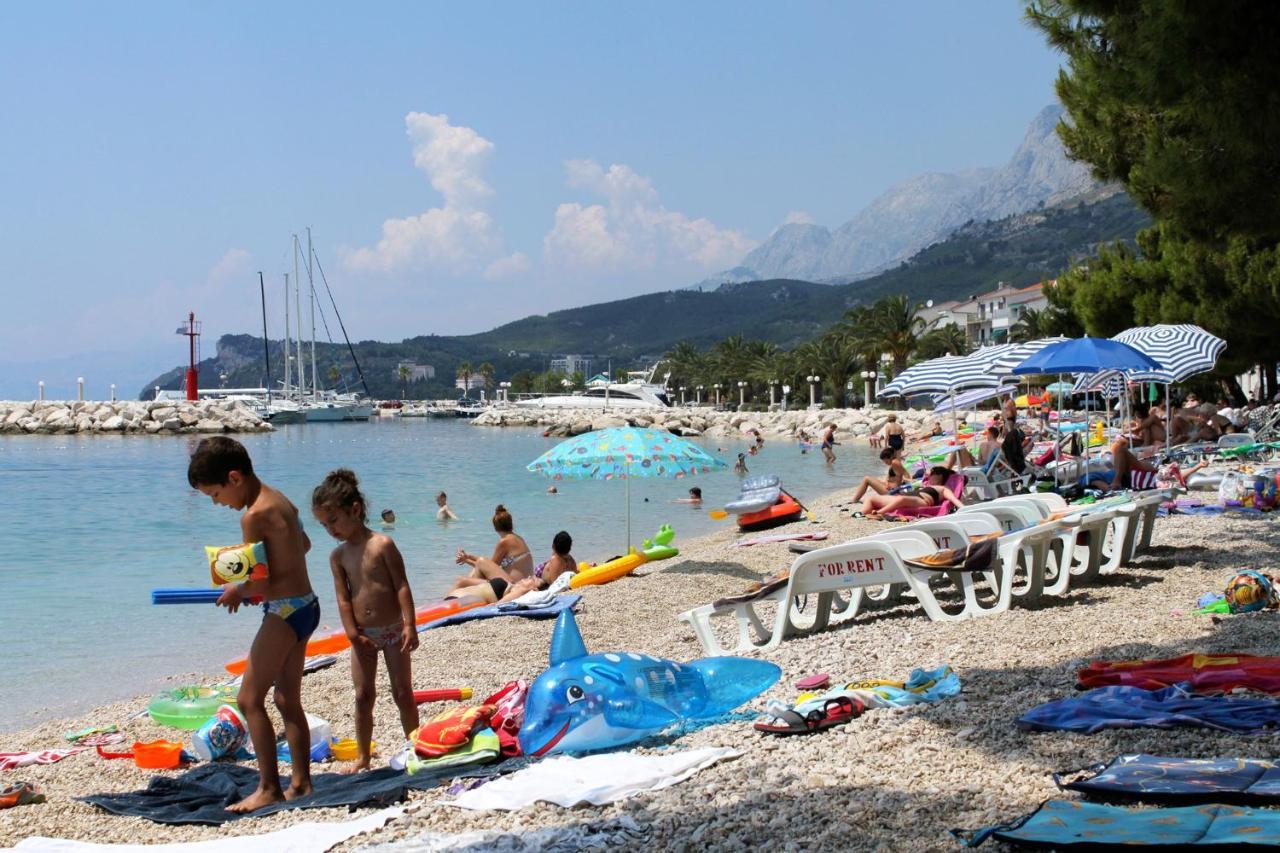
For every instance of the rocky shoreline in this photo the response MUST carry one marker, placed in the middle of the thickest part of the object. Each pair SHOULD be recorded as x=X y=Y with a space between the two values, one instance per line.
x=691 y=421
x=63 y=417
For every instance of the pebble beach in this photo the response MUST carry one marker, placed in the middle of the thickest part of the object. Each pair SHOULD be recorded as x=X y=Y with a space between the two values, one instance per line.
x=890 y=779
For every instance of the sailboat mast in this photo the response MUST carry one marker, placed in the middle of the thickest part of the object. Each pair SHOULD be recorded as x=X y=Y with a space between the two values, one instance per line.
x=266 y=342
x=297 y=307
x=286 y=336
x=315 y=384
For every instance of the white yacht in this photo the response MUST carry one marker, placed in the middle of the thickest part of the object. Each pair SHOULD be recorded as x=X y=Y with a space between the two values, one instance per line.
x=614 y=395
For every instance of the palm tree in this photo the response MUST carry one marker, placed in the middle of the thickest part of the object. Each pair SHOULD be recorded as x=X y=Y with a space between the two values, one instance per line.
x=486 y=373
x=898 y=327
x=334 y=375
x=944 y=340
x=464 y=373
x=403 y=372
x=686 y=363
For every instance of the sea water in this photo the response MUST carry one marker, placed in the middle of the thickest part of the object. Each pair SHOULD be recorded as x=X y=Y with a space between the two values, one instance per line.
x=93 y=523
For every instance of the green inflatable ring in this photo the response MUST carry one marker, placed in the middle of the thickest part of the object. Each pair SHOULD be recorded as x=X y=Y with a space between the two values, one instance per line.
x=189 y=707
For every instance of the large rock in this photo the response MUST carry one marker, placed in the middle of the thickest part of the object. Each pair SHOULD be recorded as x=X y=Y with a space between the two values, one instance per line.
x=112 y=424
x=209 y=425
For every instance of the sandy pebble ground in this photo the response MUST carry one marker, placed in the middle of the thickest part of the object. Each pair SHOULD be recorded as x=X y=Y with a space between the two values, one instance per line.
x=893 y=780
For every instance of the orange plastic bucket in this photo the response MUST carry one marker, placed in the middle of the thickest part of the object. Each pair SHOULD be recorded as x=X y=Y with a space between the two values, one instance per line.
x=157 y=754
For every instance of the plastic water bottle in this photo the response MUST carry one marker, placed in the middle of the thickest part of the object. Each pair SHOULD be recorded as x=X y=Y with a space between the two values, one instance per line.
x=222 y=734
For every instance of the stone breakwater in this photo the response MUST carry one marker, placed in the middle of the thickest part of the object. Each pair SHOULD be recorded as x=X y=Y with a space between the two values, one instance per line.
x=706 y=421
x=54 y=417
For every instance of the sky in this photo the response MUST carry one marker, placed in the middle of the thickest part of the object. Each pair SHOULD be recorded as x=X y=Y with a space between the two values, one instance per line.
x=460 y=165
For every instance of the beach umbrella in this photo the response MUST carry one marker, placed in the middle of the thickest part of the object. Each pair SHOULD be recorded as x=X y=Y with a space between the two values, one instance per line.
x=1059 y=388
x=945 y=375
x=1012 y=355
x=621 y=453
x=1182 y=350
x=946 y=403
x=1086 y=355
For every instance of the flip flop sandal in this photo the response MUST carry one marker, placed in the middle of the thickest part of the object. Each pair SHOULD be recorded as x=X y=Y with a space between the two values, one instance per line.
x=20 y=794
x=817 y=681
x=856 y=514
x=834 y=712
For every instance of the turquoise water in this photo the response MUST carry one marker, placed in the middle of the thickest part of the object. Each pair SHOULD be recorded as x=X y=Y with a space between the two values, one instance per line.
x=96 y=522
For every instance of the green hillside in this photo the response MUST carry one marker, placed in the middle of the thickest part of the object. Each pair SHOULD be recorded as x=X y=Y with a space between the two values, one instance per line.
x=1020 y=250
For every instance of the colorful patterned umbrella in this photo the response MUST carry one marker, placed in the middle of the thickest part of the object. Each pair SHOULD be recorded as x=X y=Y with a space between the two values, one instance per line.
x=623 y=453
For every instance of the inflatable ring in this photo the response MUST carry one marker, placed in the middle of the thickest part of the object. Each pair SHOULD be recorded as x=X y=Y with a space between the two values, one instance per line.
x=191 y=706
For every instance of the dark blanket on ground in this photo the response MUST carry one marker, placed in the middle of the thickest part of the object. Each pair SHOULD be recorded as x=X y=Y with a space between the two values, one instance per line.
x=201 y=796
x=1178 y=781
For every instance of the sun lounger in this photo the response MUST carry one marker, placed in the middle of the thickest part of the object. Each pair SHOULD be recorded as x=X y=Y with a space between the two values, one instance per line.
x=869 y=570
x=994 y=479
x=1022 y=555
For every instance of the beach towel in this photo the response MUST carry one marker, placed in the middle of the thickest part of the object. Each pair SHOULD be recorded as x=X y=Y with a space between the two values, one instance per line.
x=200 y=796
x=1135 y=708
x=620 y=833
x=1177 y=781
x=922 y=687
x=781 y=537
x=306 y=837
x=549 y=611
x=14 y=760
x=973 y=557
x=1204 y=673
x=540 y=597
x=755 y=590
x=595 y=779
x=1069 y=825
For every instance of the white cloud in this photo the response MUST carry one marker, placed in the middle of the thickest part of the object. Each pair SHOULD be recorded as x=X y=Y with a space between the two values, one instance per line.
x=798 y=217
x=631 y=229
x=512 y=265
x=458 y=237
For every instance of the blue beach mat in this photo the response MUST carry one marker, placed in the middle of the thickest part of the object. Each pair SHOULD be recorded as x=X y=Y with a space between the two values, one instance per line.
x=1167 y=708
x=1178 y=781
x=1070 y=825
x=550 y=611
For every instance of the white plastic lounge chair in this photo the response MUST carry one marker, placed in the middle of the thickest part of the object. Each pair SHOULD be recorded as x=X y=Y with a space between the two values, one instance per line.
x=994 y=479
x=824 y=575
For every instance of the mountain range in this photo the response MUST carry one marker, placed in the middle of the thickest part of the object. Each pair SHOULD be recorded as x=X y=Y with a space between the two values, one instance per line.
x=918 y=212
x=1019 y=249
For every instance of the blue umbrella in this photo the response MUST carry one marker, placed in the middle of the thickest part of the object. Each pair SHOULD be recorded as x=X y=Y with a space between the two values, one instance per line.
x=1086 y=355
x=622 y=453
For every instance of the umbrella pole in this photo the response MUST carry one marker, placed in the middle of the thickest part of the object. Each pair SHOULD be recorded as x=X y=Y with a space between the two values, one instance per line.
x=627 y=549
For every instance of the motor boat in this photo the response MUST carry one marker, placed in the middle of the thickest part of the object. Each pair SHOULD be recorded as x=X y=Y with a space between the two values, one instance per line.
x=468 y=408
x=619 y=395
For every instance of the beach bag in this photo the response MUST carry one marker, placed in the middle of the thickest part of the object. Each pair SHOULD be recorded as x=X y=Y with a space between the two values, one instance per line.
x=1232 y=489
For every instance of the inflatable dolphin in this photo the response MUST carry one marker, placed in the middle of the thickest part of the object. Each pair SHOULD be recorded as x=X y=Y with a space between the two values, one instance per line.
x=587 y=702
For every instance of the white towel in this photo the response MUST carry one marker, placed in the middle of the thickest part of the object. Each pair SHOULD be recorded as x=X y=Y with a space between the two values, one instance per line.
x=595 y=779
x=309 y=837
x=543 y=597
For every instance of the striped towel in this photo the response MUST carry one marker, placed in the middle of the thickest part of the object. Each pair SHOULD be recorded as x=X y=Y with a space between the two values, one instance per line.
x=14 y=760
x=1139 y=480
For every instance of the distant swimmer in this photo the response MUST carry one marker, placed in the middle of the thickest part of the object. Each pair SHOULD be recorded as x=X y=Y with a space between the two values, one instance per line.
x=388 y=519
x=444 y=513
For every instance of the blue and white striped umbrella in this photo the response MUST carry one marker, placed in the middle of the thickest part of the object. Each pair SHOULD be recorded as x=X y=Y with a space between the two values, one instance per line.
x=945 y=375
x=1002 y=363
x=1110 y=383
x=946 y=403
x=1183 y=350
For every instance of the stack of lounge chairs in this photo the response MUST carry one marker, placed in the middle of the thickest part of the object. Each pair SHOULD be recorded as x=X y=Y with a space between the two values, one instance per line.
x=1033 y=546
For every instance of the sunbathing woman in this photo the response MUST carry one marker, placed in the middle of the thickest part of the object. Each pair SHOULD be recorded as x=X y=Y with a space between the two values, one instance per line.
x=561 y=561
x=934 y=493
x=511 y=560
x=1128 y=471
x=895 y=477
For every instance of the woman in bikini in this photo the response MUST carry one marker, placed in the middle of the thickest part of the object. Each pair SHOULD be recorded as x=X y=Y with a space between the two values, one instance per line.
x=511 y=560
x=560 y=562
x=894 y=477
x=934 y=493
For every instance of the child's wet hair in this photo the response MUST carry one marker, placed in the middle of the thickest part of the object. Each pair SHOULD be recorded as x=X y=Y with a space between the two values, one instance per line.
x=562 y=544
x=340 y=490
x=502 y=520
x=214 y=459
x=388 y=513
x=695 y=492
x=442 y=497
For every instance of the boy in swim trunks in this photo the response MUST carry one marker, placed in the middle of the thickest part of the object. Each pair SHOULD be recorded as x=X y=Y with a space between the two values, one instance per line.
x=374 y=601
x=221 y=469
